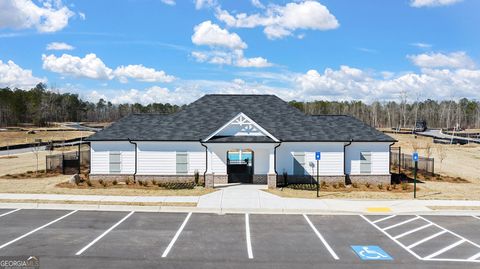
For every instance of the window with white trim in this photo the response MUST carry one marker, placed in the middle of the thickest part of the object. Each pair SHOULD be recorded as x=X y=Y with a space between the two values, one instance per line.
x=115 y=162
x=182 y=163
x=365 y=162
x=299 y=163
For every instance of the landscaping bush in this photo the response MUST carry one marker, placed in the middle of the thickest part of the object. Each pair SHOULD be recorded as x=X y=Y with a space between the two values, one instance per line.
x=89 y=183
x=323 y=184
x=177 y=185
x=380 y=186
x=341 y=185
x=128 y=181
x=335 y=185
x=355 y=185
x=367 y=184
x=114 y=182
x=307 y=187
x=404 y=186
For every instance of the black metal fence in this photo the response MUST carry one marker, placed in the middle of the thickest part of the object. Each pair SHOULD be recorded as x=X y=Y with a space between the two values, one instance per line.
x=68 y=162
x=400 y=160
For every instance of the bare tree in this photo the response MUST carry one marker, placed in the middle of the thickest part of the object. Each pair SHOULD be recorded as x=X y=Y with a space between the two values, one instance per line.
x=36 y=150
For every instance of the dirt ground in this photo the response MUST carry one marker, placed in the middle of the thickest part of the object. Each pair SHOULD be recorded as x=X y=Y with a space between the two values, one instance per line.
x=427 y=191
x=48 y=186
x=23 y=162
x=459 y=160
x=21 y=137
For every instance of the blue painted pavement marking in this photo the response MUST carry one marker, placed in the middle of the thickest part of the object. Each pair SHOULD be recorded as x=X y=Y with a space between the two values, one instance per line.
x=371 y=253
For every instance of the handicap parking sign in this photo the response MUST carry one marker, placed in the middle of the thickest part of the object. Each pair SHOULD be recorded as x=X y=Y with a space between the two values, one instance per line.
x=317 y=156
x=415 y=156
x=374 y=253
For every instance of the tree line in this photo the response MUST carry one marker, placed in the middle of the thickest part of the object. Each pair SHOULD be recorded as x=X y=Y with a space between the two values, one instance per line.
x=40 y=107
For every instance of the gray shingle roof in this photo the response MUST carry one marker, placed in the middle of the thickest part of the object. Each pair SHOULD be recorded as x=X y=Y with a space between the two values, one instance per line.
x=204 y=116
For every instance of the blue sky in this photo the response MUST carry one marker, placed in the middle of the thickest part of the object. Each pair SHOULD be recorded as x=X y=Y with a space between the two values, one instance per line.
x=175 y=51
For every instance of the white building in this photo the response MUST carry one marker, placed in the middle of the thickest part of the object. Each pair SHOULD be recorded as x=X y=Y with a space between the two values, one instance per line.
x=240 y=138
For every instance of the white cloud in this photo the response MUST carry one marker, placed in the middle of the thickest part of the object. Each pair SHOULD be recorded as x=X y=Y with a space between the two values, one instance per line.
x=93 y=67
x=13 y=76
x=199 y=4
x=257 y=4
x=52 y=16
x=227 y=48
x=169 y=2
x=422 y=45
x=349 y=83
x=59 y=46
x=82 y=16
x=89 y=66
x=433 y=3
x=141 y=73
x=282 y=21
x=457 y=59
x=210 y=34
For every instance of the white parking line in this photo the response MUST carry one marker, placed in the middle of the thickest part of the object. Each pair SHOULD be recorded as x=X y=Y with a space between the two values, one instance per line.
x=37 y=229
x=445 y=249
x=177 y=234
x=474 y=257
x=477 y=217
x=382 y=219
x=334 y=255
x=412 y=231
x=426 y=239
x=401 y=223
x=9 y=212
x=249 y=241
x=103 y=234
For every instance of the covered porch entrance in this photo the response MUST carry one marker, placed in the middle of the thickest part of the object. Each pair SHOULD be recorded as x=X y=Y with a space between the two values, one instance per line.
x=240 y=166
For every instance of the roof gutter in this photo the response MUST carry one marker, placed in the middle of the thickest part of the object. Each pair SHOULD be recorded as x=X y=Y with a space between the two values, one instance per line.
x=136 y=146
x=275 y=157
x=345 y=158
x=206 y=163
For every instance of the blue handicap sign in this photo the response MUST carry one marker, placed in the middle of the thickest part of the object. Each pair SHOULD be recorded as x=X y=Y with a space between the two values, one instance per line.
x=318 y=156
x=371 y=253
x=415 y=156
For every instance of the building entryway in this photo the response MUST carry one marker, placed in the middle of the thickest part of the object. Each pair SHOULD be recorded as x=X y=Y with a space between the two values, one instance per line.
x=240 y=166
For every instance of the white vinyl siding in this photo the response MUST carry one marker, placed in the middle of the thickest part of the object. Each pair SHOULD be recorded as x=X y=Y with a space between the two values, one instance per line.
x=100 y=157
x=115 y=162
x=331 y=163
x=379 y=158
x=182 y=163
x=298 y=162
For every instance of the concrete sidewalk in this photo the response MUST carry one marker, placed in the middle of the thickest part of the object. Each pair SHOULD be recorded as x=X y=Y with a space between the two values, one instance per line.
x=242 y=198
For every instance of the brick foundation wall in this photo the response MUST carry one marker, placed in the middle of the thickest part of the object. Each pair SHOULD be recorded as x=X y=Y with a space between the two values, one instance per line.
x=259 y=179
x=272 y=181
x=211 y=180
x=373 y=179
x=165 y=178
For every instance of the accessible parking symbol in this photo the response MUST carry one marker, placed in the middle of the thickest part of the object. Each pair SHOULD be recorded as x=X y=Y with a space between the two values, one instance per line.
x=374 y=253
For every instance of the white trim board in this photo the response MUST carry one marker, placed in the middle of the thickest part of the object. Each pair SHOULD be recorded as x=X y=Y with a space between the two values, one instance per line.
x=246 y=120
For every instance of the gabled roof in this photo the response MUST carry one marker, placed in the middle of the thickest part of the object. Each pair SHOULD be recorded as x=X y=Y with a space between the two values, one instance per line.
x=208 y=114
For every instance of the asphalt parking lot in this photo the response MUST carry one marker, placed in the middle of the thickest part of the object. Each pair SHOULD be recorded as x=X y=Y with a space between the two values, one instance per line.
x=104 y=239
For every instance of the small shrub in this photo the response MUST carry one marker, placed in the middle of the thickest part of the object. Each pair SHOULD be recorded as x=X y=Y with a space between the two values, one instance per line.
x=145 y=183
x=154 y=182
x=114 y=182
x=389 y=187
x=89 y=183
x=404 y=186
x=196 y=177
x=323 y=184
x=355 y=185
x=394 y=186
x=128 y=181
x=335 y=185
x=367 y=184
x=380 y=186
x=341 y=185
x=101 y=181
x=104 y=183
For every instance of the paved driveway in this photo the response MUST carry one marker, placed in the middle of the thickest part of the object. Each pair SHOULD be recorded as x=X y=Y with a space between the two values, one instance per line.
x=102 y=239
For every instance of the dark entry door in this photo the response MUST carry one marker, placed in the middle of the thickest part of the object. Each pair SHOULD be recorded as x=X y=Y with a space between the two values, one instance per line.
x=239 y=173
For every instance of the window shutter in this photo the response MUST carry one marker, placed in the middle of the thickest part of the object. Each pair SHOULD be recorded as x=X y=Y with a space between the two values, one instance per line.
x=365 y=162
x=299 y=163
x=182 y=163
x=115 y=162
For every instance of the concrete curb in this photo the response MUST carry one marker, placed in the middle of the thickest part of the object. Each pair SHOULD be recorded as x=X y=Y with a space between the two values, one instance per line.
x=179 y=209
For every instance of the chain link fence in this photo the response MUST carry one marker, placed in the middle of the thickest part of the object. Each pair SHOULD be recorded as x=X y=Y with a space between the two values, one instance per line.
x=400 y=160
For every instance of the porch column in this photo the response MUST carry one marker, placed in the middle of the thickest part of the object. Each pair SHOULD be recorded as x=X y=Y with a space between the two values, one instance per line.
x=272 y=176
x=209 y=174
